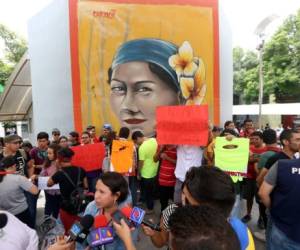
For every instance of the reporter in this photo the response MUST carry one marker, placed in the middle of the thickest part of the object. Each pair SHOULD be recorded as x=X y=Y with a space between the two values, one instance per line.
x=211 y=186
x=17 y=235
x=62 y=244
x=12 y=187
x=124 y=232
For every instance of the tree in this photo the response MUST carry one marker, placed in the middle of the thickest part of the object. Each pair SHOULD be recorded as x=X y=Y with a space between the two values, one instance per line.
x=245 y=75
x=14 y=48
x=282 y=61
x=281 y=66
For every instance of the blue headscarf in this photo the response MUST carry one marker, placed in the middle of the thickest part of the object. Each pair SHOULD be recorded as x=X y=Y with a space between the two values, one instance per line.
x=148 y=50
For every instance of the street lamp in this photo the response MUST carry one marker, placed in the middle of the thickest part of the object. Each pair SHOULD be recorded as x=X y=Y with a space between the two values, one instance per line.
x=259 y=31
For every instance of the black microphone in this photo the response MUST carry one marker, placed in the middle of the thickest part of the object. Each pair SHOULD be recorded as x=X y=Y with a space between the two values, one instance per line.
x=3 y=220
x=80 y=230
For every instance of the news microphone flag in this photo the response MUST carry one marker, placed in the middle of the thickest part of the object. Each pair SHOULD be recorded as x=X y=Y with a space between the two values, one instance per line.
x=101 y=236
x=137 y=215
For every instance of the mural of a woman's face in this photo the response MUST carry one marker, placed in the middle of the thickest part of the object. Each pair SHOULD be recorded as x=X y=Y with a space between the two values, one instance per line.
x=136 y=92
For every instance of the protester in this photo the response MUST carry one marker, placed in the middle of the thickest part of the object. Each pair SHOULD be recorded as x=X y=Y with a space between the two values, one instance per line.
x=204 y=185
x=16 y=235
x=92 y=175
x=280 y=193
x=63 y=141
x=74 y=139
x=68 y=179
x=201 y=227
x=290 y=140
x=167 y=156
x=229 y=125
x=111 y=194
x=55 y=135
x=183 y=164
x=209 y=151
x=38 y=155
x=248 y=128
x=148 y=169
x=92 y=130
x=50 y=167
x=250 y=187
x=12 y=188
x=270 y=140
x=85 y=138
x=107 y=128
x=12 y=145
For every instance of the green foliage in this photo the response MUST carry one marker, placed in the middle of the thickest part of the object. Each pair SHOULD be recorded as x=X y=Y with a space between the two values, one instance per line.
x=15 y=47
x=281 y=66
x=245 y=75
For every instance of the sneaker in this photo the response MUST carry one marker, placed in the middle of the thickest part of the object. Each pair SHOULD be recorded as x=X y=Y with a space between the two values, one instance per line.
x=260 y=223
x=246 y=218
x=260 y=235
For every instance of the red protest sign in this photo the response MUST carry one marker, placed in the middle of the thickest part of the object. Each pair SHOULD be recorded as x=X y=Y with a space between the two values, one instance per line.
x=182 y=125
x=89 y=157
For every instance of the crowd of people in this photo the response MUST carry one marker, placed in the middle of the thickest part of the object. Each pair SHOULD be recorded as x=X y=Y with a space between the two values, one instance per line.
x=198 y=201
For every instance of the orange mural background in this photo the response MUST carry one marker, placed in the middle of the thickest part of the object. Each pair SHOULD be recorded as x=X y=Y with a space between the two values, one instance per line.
x=98 y=28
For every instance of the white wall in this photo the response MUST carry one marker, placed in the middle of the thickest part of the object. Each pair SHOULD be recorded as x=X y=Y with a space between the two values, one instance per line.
x=49 y=52
x=226 y=65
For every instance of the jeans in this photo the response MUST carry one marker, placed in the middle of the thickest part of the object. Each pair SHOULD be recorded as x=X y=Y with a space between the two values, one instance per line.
x=236 y=210
x=25 y=218
x=133 y=185
x=148 y=187
x=52 y=204
x=32 y=203
x=279 y=241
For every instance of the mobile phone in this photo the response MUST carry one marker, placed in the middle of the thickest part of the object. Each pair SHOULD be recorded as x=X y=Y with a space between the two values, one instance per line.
x=117 y=216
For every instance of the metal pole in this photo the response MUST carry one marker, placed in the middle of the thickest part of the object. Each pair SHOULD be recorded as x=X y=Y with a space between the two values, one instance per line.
x=261 y=84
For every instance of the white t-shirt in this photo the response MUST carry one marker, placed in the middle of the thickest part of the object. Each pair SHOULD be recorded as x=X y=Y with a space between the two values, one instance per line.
x=187 y=157
x=17 y=236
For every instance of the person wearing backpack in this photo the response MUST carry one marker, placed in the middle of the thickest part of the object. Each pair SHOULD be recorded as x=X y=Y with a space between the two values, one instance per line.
x=72 y=181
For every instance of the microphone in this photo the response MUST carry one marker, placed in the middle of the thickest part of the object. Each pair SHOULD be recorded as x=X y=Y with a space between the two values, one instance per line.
x=137 y=215
x=3 y=220
x=102 y=234
x=80 y=230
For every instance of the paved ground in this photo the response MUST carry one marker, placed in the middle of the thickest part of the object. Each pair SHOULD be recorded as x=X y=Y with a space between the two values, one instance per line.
x=145 y=242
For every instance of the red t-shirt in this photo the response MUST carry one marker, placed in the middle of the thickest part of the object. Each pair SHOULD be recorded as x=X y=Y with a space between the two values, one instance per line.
x=166 y=175
x=251 y=173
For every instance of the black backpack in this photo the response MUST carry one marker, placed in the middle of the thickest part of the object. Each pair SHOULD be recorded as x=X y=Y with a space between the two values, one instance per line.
x=78 y=200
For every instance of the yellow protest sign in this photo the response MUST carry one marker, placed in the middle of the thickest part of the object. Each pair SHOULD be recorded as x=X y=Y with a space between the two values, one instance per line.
x=232 y=156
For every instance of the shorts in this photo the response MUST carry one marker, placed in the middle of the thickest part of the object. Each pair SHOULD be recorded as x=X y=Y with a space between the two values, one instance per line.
x=249 y=189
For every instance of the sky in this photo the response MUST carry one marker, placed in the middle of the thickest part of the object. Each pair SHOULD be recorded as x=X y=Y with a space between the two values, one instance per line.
x=243 y=16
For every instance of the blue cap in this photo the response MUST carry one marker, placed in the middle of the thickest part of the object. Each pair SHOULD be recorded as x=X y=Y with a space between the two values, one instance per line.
x=148 y=50
x=107 y=126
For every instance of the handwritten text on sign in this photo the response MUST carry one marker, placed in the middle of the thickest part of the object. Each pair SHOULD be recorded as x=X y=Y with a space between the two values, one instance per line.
x=182 y=125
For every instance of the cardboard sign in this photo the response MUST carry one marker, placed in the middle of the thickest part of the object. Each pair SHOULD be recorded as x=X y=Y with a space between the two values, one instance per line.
x=182 y=125
x=122 y=156
x=232 y=156
x=89 y=157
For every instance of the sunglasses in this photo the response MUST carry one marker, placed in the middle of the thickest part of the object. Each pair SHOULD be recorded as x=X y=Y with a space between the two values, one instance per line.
x=55 y=134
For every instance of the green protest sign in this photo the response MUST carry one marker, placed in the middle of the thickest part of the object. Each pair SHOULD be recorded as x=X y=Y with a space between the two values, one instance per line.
x=232 y=156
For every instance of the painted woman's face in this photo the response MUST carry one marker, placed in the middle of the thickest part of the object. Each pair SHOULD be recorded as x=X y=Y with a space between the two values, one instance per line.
x=136 y=93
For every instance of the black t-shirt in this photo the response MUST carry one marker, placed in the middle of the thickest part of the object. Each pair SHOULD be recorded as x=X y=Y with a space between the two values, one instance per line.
x=66 y=187
x=21 y=163
x=273 y=159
